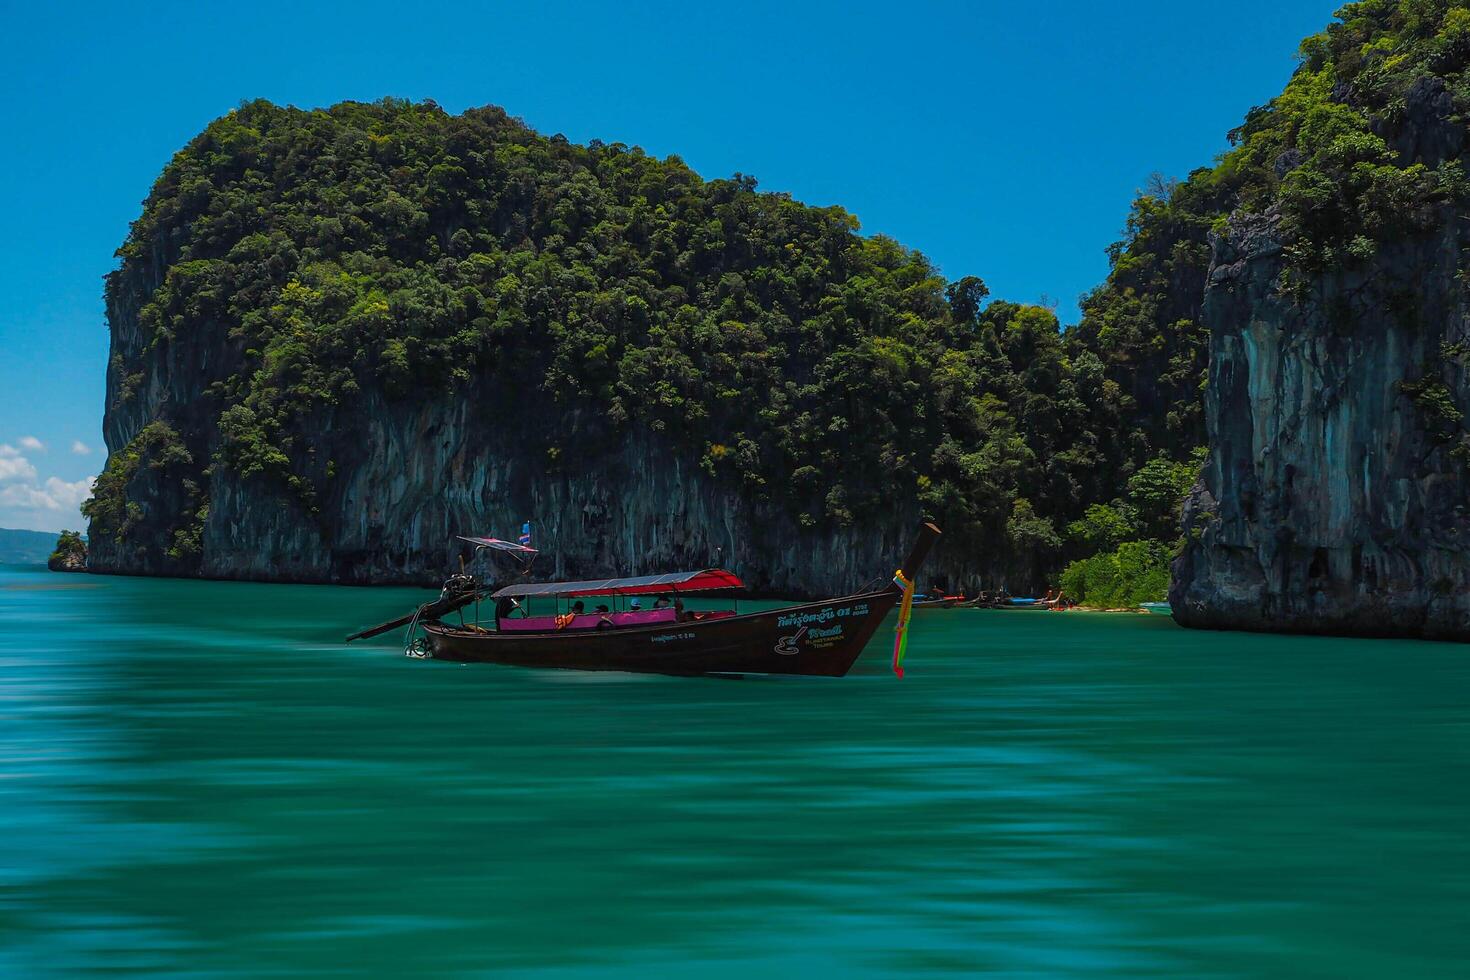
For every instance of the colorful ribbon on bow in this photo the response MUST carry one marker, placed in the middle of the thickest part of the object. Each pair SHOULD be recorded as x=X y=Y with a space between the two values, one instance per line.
x=901 y=641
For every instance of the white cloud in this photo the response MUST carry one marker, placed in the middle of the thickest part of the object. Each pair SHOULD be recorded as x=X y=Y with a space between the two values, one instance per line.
x=56 y=494
x=27 y=501
x=80 y=448
x=14 y=466
x=69 y=496
x=33 y=444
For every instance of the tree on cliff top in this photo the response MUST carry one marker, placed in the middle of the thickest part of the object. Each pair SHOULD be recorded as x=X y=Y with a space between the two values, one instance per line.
x=70 y=553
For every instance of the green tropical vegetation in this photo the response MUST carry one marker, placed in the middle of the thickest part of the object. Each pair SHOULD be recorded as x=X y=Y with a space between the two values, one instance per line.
x=70 y=551
x=369 y=255
x=159 y=451
x=1131 y=540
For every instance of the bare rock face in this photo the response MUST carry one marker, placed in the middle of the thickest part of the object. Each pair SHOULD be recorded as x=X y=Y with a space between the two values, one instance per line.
x=67 y=563
x=406 y=481
x=70 y=554
x=398 y=480
x=1336 y=498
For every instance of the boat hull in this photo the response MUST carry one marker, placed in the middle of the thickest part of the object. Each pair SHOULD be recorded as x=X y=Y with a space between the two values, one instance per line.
x=818 y=638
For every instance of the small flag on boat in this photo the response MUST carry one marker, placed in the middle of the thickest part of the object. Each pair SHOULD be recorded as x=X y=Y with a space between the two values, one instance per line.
x=525 y=538
x=901 y=641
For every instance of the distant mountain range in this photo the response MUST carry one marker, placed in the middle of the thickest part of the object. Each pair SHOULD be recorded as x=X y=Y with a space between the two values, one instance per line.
x=25 y=547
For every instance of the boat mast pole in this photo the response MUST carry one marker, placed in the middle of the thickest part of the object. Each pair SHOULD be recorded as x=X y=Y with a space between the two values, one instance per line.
x=907 y=578
x=928 y=534
x=475 y=559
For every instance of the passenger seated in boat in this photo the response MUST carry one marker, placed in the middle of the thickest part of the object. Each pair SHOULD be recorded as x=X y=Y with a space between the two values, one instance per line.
x=506 y=606
x=679 y=609
x=565 y=619
x=662 y=602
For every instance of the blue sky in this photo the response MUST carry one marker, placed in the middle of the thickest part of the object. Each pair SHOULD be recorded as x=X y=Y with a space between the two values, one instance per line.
x=1004 y=140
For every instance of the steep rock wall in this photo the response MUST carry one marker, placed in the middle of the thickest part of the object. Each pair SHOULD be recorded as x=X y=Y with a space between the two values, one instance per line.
x=1336 y=498
x=409 y=477
x=398 y=479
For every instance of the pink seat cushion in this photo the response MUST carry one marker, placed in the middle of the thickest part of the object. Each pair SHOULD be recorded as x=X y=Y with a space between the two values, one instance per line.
x=589 y=621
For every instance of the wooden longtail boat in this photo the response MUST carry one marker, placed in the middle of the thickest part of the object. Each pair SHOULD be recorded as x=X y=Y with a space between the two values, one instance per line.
x=1008 y=602
x=1017 y=602
x=816 y=638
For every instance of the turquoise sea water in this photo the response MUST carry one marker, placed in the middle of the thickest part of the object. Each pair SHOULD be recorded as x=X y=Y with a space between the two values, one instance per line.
x=199 y=779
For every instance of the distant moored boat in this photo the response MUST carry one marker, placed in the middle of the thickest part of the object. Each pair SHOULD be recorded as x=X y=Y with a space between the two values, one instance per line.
x=1157 y=608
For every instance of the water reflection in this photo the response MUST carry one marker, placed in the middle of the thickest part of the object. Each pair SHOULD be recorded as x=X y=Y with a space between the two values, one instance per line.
x=202 y=779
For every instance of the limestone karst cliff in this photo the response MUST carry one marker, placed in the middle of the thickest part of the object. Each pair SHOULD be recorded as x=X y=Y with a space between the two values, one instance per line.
x=340 y=337
x=1337 y=496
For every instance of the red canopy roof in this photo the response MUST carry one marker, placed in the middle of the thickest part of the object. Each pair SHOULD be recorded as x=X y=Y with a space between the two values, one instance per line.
x=702 y=581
